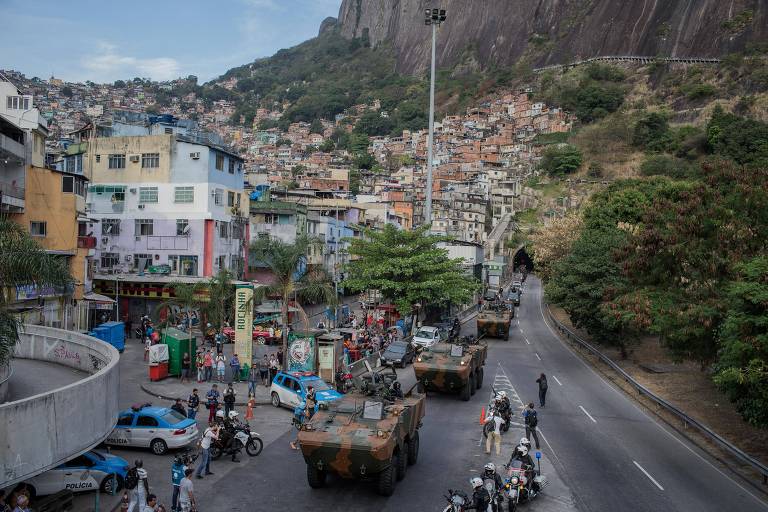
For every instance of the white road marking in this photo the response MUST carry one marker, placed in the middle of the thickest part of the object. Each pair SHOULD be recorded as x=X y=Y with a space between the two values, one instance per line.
x=558 y=382
x=537 y=356
x=522 y=331
x=545 y=440
x=528 y=342
x=588 y=415
x=648 y=475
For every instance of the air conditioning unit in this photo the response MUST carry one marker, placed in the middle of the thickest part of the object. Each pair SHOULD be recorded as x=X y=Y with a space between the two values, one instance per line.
x=134 y=158
x=141 y=207
x=138 y=239
x=132 y=190
x=195 y=155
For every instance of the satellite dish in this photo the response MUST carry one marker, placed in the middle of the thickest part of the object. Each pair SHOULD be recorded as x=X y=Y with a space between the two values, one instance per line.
x=109 y=229
x=186 y=229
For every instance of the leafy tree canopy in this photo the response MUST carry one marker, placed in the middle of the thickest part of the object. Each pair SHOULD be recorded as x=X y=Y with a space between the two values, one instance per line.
x=561 y=160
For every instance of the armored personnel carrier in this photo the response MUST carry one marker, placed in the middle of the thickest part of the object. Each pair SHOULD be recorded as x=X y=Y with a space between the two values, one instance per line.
x=452 y=367
x=369 y=434
x=494 y=320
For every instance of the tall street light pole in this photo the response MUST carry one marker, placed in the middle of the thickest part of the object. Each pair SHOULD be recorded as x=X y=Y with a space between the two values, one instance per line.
x=433 y=17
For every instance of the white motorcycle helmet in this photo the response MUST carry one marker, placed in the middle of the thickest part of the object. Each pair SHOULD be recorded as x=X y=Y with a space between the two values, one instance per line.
x=220 y=414
x=524 y=441
x=490 y=467
x=232 y=415
x=524 y=451
x=502 y=394
x=476 y=482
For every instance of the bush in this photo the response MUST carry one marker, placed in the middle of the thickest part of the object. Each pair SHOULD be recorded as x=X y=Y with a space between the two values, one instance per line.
x=742 y=140
x=604 y=72
x=651 y=132
x=561 y=160
x=695 y=92
x=664 y=165
x=595 y=101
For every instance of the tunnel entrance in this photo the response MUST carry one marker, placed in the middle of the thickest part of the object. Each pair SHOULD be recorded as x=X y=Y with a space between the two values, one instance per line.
x=522 y=259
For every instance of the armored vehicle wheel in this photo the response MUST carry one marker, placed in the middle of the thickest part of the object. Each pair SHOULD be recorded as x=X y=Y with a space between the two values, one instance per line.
x=472 y=384
x=315 y=477
x=413 y=449
x=479 y=378
x=387 y=481
x=402 y=462
x=465 y=391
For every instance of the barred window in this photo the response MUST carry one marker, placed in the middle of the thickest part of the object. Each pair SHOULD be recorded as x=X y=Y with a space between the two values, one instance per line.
x=147 y=194
x=184 y=195
x=117 y=161
x=150 y=160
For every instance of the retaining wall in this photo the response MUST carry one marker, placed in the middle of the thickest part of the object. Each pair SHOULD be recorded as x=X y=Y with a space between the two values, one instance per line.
x=40 y=432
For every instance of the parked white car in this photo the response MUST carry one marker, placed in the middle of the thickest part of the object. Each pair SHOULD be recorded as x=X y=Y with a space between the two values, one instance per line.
x=157 y=428
x=427 y=336
x=93 y=470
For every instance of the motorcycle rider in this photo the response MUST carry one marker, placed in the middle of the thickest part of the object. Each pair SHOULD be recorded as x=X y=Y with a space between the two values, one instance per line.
x=490 y=474
x=524 y=443
x=227 y=433
x=481 y=500
x=527 y=464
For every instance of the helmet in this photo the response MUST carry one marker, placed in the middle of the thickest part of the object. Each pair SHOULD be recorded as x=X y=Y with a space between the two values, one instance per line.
x=490 y=467
x=524 y=441
x=502 y=394
x=232 y=415
x=396 y=385
x=476 y=482
x=219 y=414
x=208 y=324
x=524 y=451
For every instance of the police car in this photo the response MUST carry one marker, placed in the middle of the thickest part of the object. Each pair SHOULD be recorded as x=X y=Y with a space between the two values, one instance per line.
x=289 y=389
x=87 y=472
x=157 y=428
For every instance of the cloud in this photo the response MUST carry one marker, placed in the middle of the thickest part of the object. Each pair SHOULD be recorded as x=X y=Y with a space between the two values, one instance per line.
x=108 y=65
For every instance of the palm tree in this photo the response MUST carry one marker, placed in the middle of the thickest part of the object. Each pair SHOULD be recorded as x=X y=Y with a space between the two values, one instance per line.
x=186 y=296
x=22 y=262
x=287 y=262
x=221 y=292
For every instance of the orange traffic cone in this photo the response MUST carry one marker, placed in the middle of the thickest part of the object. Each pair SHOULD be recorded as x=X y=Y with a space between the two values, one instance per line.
x=482 y=416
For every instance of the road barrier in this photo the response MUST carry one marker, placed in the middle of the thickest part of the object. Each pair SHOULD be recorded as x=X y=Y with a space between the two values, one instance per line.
x=642 y=390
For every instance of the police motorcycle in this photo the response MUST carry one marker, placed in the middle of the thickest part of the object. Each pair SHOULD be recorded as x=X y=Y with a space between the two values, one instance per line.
x=242 y=437
x=499 y=406
x=457 y=500
x=523 y=482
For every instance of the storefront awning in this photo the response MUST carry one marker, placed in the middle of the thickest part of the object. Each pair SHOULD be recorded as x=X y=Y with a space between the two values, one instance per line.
x=97 y=297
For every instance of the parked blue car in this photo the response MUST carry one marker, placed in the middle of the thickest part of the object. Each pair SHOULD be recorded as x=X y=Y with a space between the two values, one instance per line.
x=87 y=472
x=289 y=389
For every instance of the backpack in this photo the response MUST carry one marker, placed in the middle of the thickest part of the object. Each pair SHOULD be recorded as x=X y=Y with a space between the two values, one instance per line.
x=131 y=479
x=531 y=419
x=543 y=384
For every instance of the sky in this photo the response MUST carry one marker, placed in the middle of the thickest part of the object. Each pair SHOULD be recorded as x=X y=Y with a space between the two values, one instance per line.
x=107 y=40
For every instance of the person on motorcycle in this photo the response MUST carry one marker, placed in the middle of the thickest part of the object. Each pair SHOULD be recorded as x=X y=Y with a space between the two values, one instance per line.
x=506 y=407
x=490 y=473
x=481 y=500
x=527 y=464
x=227 y=433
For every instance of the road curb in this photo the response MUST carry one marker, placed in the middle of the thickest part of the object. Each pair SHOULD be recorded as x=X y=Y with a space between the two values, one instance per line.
x=173 y=398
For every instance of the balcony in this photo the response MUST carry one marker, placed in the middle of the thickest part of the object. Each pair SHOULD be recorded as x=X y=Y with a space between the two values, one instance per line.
x=86 y=242
x=9 y=147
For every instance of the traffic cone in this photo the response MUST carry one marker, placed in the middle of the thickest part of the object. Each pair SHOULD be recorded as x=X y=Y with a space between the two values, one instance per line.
x=482 y=416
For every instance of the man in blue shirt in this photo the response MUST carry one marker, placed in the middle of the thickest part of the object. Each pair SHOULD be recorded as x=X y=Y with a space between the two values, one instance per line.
x=177 y=473
x=531 y=422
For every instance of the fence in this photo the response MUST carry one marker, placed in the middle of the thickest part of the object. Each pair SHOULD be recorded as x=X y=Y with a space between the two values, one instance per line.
x=643 y=59
x=642 y=390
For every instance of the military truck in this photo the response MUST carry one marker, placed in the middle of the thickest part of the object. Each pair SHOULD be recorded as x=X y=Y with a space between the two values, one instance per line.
x=452 y=367
x=494 y=320
x=368 y=434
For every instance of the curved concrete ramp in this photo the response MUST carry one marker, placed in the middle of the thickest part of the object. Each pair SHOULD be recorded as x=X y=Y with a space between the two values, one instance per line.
x=40 y=432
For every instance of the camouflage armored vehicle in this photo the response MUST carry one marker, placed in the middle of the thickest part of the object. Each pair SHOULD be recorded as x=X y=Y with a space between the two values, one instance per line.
x=368 y=434
x=452 y=367
x=495 y=319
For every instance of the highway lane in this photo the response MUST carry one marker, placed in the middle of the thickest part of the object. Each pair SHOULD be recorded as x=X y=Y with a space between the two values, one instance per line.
x=614 y=456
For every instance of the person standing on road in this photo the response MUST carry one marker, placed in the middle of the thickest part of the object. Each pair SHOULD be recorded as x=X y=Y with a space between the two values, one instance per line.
x=177 y=474
x=213 y=402
x=264 y=371
x=210 y=435
x=234 y=365
x=193 y=404
x=531 y=422
x=272 y=367
x=186 y=492
x=128 y=327
x=542 y=382
x=253 y=378
x=186 y=363
x=199 y=360
x=250 y=406
x=139 y=493
x=229 y=399
x=208 y=365
x=221 y=366
x=280 y=357
x=494 y=436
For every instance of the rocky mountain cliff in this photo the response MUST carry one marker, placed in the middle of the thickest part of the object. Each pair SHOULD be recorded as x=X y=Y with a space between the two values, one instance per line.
x=483 y=33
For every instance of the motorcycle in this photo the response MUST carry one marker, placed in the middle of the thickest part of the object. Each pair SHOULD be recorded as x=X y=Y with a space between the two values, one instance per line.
x=343 y=382
x=457 y=500
x=243 y=438
x=489 y=484
x=505 y=415
x=522 y=483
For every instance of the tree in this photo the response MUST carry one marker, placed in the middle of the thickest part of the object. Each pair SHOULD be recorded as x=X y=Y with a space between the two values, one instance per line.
x=66 y=91
x=742 y=140
x=553 y=242
x=651 y=132
x=23 y=262
x=371 y=123
x=407 y=268
x=120 y=84
x=186 y=296
x=316 y=126
x=327 y=146
x=221 y=293
x=561 y=160
x=742 y=368
x=287 y=263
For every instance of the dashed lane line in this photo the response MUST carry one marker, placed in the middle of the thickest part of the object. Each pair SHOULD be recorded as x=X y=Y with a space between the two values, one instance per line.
x=558 y=382
x=588 y=415
x=648 y=475
x=537 y=356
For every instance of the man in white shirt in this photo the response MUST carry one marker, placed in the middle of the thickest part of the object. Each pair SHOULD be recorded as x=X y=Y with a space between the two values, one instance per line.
x=186 y=494
x=210 y=435
x=495 y=434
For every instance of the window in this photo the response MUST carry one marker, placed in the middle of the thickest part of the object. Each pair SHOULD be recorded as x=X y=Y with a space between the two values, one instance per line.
x=168 y=131
x=184 y=195
x=110 y=259
x=182 y=227
x=231 y=165
x=219 y=162
x=146 y=421
x=145 y=260
x=218 y=196
x=237 y=231
x=147 y=194
x=116 y=192
x=37 y=228
x=110 y=226
x=125 y=421
x=150 y=160
x=74 y=164
x=144 y=227
x=221 y=261
x=271 y=218
x=98 y=158
x=68 y=184
x=79 y=462
x=237 y=203
x=230 y=199
x=117 y=161
x=173 y=262
x=18 y=102
x=224 y=229
x=80 y=187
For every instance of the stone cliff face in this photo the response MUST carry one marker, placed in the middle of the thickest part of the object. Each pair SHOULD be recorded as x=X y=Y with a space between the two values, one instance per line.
x=555 y=31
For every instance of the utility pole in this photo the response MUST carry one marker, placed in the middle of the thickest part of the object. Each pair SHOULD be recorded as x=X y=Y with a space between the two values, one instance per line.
x=433 y=17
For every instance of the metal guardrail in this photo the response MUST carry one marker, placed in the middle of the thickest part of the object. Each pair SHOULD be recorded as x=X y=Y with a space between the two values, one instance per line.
x=642 y=390
x=644 y=59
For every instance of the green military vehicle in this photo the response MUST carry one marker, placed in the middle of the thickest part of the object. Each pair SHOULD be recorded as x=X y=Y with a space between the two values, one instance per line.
x=452 y=367
x=494 y=320
x=368 y=434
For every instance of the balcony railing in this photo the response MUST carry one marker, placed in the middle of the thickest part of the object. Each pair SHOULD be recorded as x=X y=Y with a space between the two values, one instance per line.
x=10 y=146
x=86 y=242
x=11 y=190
